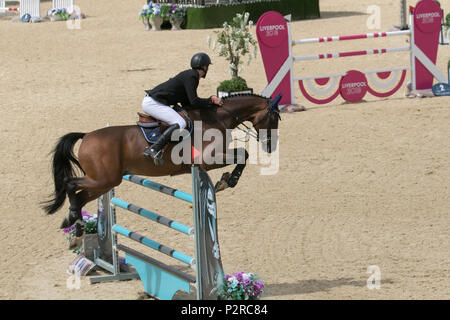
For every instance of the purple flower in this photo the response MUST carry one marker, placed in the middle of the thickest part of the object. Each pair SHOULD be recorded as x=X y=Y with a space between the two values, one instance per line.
x=69 y=229
x=259 y=285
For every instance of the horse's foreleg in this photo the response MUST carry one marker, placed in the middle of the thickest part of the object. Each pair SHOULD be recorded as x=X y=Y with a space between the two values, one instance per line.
x=230 y=180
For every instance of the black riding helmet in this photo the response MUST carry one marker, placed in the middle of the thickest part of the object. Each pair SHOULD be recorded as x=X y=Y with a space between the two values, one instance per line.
x=199 y=60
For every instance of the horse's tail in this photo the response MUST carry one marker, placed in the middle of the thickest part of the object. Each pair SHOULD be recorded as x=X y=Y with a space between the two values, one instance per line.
x=63 y=170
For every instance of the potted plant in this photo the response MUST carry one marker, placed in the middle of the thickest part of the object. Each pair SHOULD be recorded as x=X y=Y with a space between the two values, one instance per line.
x=86 y=242
x=235 y=41
x=144 y=14
x=446 y=27
x=234 y=85
x=57 y=14
x=90 y=241
x=448 y=71
x=158 y=15
x=176 y=16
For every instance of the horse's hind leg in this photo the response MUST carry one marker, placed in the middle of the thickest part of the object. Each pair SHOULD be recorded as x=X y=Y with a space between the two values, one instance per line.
x=89 y=190
x=75 y=203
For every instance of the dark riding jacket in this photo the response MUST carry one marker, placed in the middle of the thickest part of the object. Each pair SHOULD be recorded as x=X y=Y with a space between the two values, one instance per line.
x=180 y=89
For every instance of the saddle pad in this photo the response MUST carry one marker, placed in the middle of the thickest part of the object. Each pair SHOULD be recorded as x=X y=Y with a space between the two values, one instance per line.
x=151 y=134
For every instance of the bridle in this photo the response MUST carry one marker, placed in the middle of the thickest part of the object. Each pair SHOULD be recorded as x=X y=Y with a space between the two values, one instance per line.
x=272 y=108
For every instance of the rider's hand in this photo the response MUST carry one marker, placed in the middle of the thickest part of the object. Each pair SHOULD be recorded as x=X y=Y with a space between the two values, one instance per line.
x=217 y=100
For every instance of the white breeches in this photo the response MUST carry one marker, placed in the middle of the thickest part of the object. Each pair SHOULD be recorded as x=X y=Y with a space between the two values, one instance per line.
x=162 y=112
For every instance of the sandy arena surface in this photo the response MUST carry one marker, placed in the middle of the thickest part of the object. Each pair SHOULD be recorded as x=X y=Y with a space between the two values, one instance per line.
x=358 y=184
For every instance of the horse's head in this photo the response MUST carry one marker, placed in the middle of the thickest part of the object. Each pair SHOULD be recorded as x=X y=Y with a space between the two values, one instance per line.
x=265 y=123
x=262 y=112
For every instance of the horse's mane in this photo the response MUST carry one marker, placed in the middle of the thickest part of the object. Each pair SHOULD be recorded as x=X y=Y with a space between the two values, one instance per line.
x=242 y=95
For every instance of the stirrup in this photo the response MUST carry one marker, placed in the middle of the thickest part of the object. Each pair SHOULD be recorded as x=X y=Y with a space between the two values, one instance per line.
x=156 y=156
x=151 y=154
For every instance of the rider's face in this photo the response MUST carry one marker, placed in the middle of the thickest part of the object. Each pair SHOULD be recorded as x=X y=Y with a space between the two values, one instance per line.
x=205 y=71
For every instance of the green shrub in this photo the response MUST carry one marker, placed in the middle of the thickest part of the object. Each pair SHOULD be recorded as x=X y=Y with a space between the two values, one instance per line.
x=214 y=16
x=235 y=84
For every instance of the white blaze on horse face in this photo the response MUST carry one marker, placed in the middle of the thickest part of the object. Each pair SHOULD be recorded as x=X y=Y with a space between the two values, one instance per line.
x=213 y=153
x=181 y=152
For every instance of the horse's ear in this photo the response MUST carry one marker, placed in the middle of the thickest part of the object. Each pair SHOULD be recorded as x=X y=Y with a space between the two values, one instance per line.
x=274 y=103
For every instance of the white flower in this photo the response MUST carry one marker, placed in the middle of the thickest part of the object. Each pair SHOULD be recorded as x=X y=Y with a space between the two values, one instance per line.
x=146 y=7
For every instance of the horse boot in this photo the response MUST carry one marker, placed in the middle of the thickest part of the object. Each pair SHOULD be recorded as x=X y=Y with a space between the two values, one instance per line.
x=73 y=217
x=155 y=150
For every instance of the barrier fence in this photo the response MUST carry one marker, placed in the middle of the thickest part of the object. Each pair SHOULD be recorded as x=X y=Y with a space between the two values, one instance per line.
x=159 y=279
x=275 y=42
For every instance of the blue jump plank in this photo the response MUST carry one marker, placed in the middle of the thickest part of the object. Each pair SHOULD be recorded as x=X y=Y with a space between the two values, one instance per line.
x=159 y=187
x=152 y=216
x=154 y=245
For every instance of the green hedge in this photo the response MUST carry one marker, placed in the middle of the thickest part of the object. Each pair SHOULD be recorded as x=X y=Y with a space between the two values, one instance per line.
x=215 y=16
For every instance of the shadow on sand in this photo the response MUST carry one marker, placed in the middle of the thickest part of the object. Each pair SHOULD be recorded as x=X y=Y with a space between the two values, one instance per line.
x=340 y=14
x=313 y=286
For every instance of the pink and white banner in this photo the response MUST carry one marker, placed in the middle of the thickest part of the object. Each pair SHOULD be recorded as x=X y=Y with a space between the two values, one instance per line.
x=273 y=38
x=276 y=50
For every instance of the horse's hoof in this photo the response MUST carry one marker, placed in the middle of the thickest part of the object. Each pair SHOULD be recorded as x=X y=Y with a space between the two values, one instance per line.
x=220 y=186
x=232 y=181
x=65 y=224
x=225 y=176
x=79 y=230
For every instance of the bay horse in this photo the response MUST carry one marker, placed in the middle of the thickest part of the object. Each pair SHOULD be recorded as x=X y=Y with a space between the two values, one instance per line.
x=106 y=154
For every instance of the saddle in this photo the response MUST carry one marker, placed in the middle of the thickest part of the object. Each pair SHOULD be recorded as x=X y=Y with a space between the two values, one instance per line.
x=152 y=128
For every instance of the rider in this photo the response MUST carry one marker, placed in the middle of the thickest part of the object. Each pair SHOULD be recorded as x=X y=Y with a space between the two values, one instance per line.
x=180 y=89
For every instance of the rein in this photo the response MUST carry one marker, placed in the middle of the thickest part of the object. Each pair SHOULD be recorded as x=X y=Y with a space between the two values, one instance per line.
x=249 y=132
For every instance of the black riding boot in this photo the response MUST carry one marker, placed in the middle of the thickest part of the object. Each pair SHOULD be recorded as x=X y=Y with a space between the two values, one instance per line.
x=155 y=150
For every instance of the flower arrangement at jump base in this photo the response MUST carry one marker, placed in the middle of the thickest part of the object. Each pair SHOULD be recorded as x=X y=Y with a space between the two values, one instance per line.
x=89 y=226
x=241 y=286
x=154 y=14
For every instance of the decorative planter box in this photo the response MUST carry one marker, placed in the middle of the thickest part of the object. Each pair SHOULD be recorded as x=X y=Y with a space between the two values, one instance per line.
x=156 y=23
x=90 y=243
x=146 y=22
x=222 y=94
x=176 y=23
